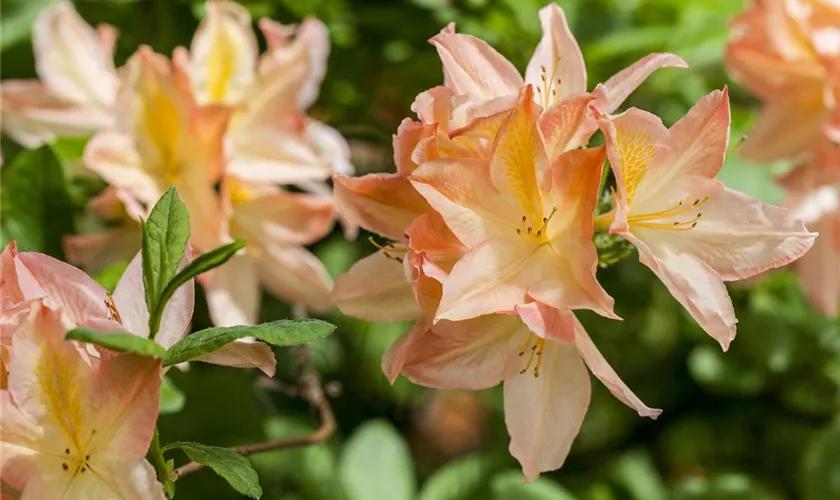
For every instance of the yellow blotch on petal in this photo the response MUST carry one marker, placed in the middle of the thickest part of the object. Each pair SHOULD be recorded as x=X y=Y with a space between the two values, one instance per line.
x=62 y=391
x=161 y=124
x=220 y=64
x=637 y=151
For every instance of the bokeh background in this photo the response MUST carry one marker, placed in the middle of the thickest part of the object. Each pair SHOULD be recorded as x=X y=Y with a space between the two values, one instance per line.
x=761 y=422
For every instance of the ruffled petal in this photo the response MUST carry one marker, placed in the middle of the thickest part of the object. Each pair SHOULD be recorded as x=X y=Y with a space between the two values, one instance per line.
x=557 y=64
x=376 y=289
x=382 y=203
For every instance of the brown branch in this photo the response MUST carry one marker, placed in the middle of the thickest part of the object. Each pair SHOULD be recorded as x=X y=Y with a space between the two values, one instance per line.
x=311 y=390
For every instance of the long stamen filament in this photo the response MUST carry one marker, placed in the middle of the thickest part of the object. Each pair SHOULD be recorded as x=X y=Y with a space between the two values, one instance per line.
x=536 y=352
x=678 y=209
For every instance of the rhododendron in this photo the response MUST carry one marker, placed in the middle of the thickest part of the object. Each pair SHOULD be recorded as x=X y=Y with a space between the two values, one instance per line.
x=526 y=222
x=75 y=426
x=691 y=230
x=782 y=50
x=78 y=83
x=163 y=138
x=270 y=138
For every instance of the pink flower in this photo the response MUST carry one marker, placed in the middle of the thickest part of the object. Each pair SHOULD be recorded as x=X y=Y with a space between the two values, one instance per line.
x=782 y=51
x=75 y=426
x=270 y=138
x=162 y=139
x=78 y=82
x=694 y=233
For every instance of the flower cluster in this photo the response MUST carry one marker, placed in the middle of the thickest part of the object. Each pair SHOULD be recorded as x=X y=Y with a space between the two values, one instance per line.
x=491 y=216
x=219 y=113
x=787 y=52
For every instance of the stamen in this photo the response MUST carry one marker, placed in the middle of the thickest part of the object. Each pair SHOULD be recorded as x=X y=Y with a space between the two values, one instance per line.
x=536 y=353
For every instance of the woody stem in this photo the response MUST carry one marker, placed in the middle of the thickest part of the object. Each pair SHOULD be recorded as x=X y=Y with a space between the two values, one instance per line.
x=312 y=391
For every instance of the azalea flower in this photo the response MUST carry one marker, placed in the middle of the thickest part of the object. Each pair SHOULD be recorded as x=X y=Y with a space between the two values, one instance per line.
x=270 y=138
x=78 y=83
x=276 y=224
x=162 y=139
x=691 y=230
x=84 y=302
x=525 y=221
x=782 y=50
x=814 y=188
x=489 y=84
x=73 y=426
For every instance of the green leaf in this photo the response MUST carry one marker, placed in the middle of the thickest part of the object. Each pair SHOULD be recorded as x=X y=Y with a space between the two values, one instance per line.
x=510 y=486
x=165 y=235
x=636 y=471
x=820 y=478
x=231 y=466
x=376 y=464
x=201 y=264
x=282 y=333
x=35 y=205
x=172 y=400
x=117 y=341
x=461 y=478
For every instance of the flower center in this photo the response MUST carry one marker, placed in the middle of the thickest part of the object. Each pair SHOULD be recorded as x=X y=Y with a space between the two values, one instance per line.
x=534 y=347
x=391 y=250
x=548 y=91
x=528 y=232
x=664 y=219
x=75 y=463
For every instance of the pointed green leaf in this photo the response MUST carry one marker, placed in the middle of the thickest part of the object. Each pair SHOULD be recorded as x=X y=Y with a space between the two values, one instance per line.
x=165 y=235
x=376 y=464
x=510 y=486
x=171 y=398
x=117 y=341
x=231 y=466
x=282 y=333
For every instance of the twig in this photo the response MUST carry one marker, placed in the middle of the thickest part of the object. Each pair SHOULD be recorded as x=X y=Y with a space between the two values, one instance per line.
x=312 y=392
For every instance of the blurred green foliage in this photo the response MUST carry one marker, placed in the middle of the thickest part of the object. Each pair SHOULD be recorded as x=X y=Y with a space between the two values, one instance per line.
x=761 y=421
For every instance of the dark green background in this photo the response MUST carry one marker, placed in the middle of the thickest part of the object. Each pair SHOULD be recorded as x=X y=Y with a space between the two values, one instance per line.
x=759 y=422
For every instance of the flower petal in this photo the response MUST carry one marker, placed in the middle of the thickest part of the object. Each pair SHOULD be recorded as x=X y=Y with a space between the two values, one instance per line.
x=272 y=155
x=233 y=292
x=559 y=124
x=784 y=130
x=382 y=203
x=70 y=59
x=77 y=295
x=96 y=251
x=472 y=355
x=471 y=66
x=544 y=414
x=223 y=54
x=430 y=235
x=243 y=353
x=112 y=156
x=604 y=372
x=557 y=62
x=738 y=237
x=295 y=275
x=819 y=269
x=376 y=289
x=612 y=93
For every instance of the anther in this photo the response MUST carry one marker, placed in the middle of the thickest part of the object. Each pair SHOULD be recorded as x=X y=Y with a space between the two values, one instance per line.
x=519 y=231
x=82 y=470
x=696 y=202
x=694 y=225
x=539 y=232
x=87 y=457
x=524 y=219
x=67 y=451
x=530 y=229
x=65 y=466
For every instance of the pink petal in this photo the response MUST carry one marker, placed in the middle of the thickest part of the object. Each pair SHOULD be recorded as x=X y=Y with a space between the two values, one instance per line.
x=560 y=123
x=544 y=414
x=819 y=269
x=604 y=372
x=295 y=275
x=20 y=439
x=784 y=130
x=547 y=322
x=382 y=203
x=376 y=289
x=112 y=156
x=96 y=251
x=430 y=235
x=472 y=355
x=243 y=353
x=612 y=93
x=70 y=59
x=64 y=286
x=471 y=66
x=557 y=58
x=699 y=139
x=408 y=136
x=271 y=155
x=233 y=292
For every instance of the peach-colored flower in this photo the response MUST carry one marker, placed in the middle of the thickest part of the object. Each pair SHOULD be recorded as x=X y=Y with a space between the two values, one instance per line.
x=276 y=224
x=83 y=301
x=525 y=221
x=75 y=426
x=486 y=83
x=162 y=139
x=270 y=138
x=78 y=82
x=693 y=232
x=814 y=188
x=785 y=51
